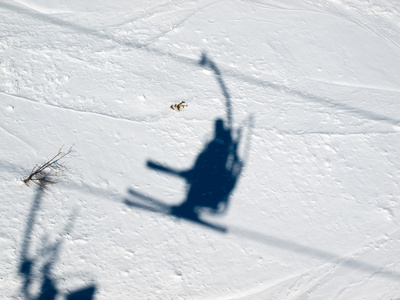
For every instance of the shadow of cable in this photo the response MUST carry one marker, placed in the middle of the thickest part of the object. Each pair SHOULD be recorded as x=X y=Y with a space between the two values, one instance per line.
x=363 y=113
x=304 y=250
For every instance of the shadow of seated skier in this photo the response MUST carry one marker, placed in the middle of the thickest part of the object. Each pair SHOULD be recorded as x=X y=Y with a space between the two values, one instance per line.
x=212 y=178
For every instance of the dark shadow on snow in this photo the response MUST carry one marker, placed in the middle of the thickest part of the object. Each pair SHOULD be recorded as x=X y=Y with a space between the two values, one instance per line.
x=318 y=254
x=44 y=261
x=363 y=113
x=212 y=177
x=214 y=174
x=210 y=181
x=208 y=63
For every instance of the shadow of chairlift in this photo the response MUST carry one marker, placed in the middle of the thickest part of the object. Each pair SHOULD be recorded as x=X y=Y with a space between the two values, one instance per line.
x=213 y=176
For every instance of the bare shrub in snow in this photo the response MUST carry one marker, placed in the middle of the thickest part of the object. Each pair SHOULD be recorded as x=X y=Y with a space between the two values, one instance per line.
x=49 y=171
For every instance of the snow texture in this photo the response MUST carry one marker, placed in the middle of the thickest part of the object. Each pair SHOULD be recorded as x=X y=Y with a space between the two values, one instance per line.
x=309 y=90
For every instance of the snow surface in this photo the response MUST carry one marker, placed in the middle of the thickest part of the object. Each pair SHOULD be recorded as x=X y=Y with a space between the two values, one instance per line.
x=315 y=212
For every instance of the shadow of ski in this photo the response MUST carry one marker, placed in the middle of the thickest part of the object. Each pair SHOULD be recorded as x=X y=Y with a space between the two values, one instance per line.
x=156 y=206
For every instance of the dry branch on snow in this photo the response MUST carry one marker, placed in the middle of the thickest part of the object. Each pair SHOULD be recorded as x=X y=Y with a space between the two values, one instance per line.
x=49 y=171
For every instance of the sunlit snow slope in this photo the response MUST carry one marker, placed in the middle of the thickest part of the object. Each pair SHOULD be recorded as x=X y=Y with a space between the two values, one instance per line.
x=314 y=86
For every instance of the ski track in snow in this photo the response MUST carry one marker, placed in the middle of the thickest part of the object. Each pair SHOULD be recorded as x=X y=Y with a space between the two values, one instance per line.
x=318 y=99
x=267 y=85
x=75 y=110
x=326 y=270
x=355 y=11
x=330 y=265
x=161 y=9
x=228 y=72
x=346 y=11
x=18 y=138
x=329 y=274
x=369 y=87
x=159 y=119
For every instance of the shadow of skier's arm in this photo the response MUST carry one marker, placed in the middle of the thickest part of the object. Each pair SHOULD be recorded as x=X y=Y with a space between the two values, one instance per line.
x=155 y=166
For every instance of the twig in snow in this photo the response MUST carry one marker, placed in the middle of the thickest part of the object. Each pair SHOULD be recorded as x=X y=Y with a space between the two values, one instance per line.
x=49 y=171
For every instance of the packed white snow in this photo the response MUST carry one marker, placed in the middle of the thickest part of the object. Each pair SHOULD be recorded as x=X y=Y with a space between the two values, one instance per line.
x=314 y=86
